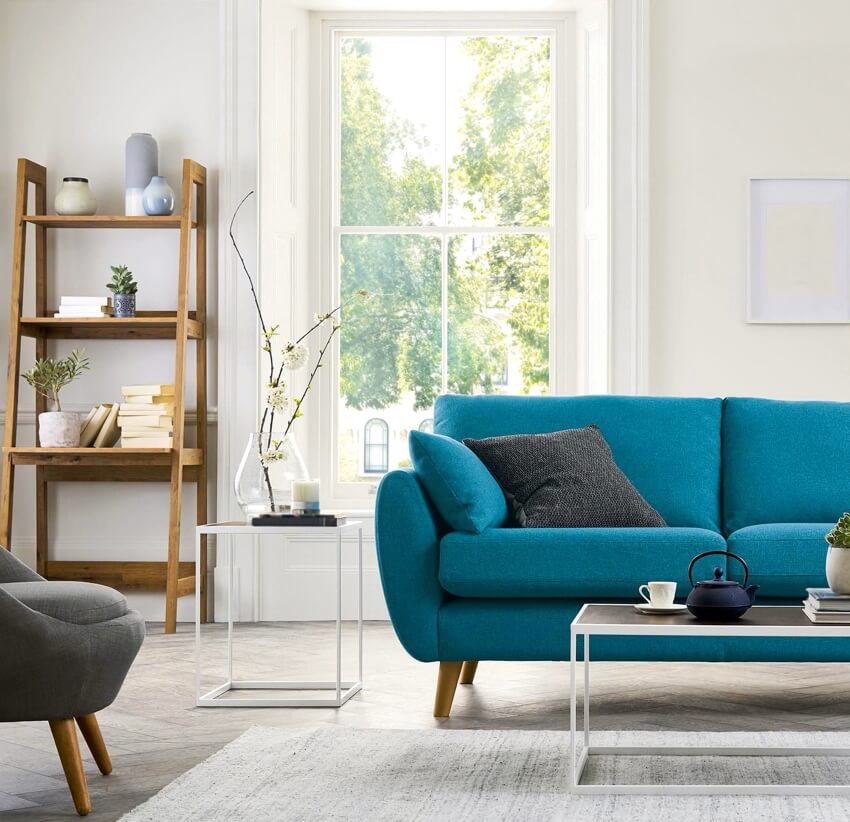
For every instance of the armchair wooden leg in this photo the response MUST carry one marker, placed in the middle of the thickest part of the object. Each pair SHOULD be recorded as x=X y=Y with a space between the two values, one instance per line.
x=94 y=739
x=65 y=736
x=467 y=673
x=446 y=686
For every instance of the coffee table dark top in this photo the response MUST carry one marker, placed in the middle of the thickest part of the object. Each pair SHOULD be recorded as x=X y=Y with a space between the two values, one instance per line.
x=760 y=620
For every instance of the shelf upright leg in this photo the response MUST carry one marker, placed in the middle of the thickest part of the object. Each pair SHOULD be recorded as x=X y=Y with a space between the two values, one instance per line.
x=28 y=172
x=201 y=382
x=176 y=495
x=42 y=499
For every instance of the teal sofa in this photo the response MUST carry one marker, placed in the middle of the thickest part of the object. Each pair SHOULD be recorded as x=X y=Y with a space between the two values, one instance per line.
x=765 y=479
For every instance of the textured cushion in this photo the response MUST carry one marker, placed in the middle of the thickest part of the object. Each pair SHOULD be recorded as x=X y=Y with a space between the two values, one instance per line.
x=668 y=447
x=82 y=603
x=784 y=461
x=462 y=489
x=784 y=558
x=567 y=479
x=571 y=562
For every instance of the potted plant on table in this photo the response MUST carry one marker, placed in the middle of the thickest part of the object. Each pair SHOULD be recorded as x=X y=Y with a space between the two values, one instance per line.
x=838 y=556
x=57 y=428
x=272 y=460
x=123 y=288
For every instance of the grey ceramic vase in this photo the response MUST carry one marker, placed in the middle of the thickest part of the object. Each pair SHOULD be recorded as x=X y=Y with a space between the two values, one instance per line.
x=141 y=162
x=124 y=305
x=158 y=198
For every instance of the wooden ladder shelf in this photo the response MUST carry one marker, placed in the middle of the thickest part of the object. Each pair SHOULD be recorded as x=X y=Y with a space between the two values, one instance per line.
x=173 y=465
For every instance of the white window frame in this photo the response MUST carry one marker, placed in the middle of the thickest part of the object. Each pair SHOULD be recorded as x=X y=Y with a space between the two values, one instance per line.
x=563 y=290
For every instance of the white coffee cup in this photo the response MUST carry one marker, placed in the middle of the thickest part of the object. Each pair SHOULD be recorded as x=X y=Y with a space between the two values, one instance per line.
x=660 y=594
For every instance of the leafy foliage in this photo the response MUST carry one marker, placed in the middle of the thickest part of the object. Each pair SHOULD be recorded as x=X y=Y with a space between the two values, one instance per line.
x=48 y=376
x=840 y=534
x=392 y=345
x=122 y=281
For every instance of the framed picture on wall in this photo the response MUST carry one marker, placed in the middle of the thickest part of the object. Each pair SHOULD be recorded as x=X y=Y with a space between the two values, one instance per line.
x=799 y=250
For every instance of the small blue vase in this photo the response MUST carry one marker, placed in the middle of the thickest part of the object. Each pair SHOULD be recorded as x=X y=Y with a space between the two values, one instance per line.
x=158 y=198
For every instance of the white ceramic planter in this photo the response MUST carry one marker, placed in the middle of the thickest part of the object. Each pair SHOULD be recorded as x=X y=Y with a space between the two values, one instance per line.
x=59 y=429
x=838 y=569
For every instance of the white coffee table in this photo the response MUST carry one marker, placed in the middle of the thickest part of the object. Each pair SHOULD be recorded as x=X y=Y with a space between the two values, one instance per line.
x=623 y=620
x=343 y=690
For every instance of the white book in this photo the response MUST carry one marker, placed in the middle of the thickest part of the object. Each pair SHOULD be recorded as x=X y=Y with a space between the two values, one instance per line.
x=69 y=301
x=145 y=421
x=147 y=431
x=165 y=389
x=134 y=409
x=822 y=618
x=146 y=442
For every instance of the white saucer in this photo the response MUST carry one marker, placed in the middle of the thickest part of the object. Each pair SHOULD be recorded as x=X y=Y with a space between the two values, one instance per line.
x=650 y=609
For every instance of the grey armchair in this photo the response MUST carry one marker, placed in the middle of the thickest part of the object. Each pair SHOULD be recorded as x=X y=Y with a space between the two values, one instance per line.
x=66 y=649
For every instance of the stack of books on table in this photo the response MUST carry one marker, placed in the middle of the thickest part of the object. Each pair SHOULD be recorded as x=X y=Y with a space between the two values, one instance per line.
x=827 y=608
x=146 y=416
x=85 y=307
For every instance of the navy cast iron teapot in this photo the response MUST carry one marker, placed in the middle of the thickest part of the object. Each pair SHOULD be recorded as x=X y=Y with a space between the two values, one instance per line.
x=720 y=600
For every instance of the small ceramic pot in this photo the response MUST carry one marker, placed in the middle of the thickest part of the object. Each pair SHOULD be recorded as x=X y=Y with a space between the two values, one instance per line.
x=59 y=429
x=75 y=197
x=124 y=305
x=158 y=198
x=838 y=569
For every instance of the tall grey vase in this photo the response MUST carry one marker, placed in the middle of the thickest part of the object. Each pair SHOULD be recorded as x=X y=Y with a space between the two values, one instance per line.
x=141 y=163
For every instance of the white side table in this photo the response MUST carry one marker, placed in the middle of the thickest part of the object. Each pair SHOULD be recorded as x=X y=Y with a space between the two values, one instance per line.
x=344 y=690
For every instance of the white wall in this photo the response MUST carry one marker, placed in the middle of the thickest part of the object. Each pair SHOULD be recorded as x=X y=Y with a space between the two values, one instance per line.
x=76 y=78
x=739 y=88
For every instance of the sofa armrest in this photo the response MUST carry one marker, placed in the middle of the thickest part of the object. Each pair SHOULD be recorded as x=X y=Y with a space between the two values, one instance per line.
x=407 y=535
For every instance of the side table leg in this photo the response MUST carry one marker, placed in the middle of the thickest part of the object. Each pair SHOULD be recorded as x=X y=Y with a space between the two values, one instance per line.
x=360 y=605
x=586 y=655
x=230 y=609
x=198 y=596
x=572 y=773
x=338 y=617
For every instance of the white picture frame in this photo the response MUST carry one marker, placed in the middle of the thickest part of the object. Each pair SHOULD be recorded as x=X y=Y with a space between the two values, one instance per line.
x=799 y=250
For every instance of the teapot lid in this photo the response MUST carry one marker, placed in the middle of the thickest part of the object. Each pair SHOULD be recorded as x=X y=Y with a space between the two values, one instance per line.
x=717 y=582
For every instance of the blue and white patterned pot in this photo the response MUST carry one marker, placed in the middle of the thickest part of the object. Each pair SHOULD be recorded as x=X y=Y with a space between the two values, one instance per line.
x=124 y=305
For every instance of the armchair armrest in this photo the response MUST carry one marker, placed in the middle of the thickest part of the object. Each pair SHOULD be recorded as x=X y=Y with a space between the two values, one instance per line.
x=407 y=535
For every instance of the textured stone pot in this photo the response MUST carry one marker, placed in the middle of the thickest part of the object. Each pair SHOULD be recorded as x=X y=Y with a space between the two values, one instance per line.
x=59 y=429
x=838 y=569
x=124 y=305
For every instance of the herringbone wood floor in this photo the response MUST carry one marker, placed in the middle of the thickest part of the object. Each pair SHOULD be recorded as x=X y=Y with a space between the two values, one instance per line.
x=154 y=733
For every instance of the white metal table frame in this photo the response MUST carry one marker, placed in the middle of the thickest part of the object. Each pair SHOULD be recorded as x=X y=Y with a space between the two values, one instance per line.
x=578 y=762
x=344 y=689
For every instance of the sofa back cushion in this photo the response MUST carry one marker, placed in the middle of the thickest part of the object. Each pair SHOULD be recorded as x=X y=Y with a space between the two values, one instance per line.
x=784 y=461
x=458 y=483
x=669 y=447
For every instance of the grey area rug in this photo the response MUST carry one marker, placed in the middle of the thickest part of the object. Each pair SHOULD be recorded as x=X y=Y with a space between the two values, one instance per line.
x=359 y=774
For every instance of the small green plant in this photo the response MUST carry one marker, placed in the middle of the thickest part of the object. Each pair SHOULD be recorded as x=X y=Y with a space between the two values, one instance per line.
x=122 y=280
x=840 y=534
x=48 y=376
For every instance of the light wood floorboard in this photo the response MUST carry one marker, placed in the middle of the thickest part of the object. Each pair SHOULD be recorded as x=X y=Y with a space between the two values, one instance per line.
x=154 y=733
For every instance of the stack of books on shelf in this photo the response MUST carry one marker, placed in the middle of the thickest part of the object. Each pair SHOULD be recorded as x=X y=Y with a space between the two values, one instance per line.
x=827 y=608
x=100 y=428
x=146 y=416
x=85 y=307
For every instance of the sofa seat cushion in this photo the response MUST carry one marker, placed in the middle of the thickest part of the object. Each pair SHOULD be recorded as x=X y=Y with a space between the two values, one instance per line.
x=784 y=558
x=81 y=603
x=584 y=563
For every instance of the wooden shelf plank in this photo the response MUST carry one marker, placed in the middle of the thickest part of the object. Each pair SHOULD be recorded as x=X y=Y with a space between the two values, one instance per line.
x=153 y=325
x=90 y=457
x=121 y=575
x=103 y=221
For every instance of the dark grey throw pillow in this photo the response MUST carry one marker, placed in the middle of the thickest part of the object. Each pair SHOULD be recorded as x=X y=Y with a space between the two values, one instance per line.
x=567 y=479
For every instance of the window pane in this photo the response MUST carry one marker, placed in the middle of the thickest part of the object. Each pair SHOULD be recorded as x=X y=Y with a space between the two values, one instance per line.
x=389 y=344
x=392 y=130
x=498 y=319
x=499 y=114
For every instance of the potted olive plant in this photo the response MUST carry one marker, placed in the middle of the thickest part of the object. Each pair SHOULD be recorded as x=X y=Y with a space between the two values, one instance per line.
x=123 y=288
x=838 y=556
x=57 y=428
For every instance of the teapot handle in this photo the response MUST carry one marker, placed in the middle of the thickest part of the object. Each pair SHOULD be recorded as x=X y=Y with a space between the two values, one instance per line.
x=725 y=553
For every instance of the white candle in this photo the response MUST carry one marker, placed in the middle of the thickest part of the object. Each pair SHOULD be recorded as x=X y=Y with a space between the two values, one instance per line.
x=305 y=495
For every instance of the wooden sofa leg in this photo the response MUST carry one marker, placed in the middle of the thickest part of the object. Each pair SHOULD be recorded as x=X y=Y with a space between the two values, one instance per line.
x=467 y=673
x=94 y=739
x=446 y=686
x=65 y=736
